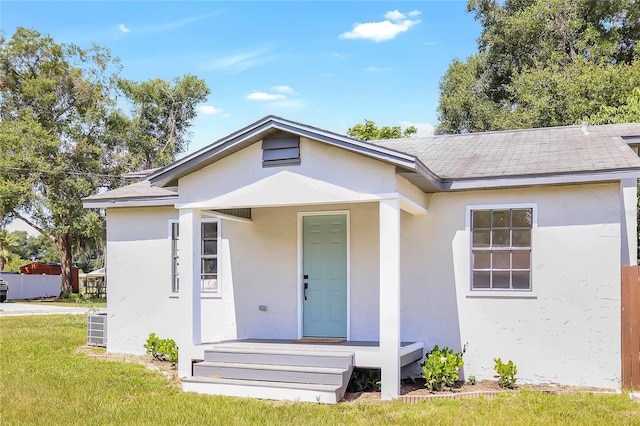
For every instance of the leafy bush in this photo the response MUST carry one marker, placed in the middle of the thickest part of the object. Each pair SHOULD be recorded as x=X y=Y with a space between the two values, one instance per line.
x=441 y=366
x=506 y=373
x=364 y=380
x=162 y=349
x=472 y=380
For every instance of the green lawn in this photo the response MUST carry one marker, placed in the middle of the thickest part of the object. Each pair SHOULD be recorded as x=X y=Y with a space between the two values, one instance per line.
x=43 y=381
x=96 y=302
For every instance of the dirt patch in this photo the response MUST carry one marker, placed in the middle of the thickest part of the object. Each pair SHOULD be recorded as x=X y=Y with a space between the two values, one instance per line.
x=415 y=391
x=164 y=368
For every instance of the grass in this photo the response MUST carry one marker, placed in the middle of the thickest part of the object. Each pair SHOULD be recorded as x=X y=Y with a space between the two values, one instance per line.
x=96 y=302
x=43 y=380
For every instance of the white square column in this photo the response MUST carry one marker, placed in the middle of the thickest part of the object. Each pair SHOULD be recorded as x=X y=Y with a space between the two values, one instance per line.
x=628 y=221
x=390 y=297
x=189 y=293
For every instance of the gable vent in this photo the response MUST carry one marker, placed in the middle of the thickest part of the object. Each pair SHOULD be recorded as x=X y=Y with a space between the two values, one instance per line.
x=281 y=149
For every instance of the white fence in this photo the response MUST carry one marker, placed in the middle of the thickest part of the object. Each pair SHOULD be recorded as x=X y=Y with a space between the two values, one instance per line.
x=22 y=286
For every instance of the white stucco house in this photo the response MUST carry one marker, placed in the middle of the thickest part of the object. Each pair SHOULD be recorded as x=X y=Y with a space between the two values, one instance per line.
x=283 y=255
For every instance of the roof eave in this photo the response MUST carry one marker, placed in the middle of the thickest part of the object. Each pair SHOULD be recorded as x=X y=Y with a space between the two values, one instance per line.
x=576 y=177
x=106 y=203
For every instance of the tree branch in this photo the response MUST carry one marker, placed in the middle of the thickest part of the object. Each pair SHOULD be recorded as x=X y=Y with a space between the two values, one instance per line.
x=36 y=227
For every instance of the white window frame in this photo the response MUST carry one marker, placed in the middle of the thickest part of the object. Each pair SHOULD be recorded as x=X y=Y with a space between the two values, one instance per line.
x=468 y=228
x=175 y=258
x=216 y=291
x=175 y=290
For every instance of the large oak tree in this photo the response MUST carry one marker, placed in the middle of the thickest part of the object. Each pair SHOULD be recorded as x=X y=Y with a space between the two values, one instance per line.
x=543 y=63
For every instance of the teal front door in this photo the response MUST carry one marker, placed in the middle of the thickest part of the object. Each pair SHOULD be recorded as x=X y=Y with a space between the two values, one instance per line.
x=324 y=262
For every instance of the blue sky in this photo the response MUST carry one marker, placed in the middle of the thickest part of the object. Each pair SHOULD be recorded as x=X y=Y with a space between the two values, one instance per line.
x=329 y=64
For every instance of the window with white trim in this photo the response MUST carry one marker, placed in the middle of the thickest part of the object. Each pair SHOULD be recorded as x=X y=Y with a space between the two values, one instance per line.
x=501 y=248
x=208 y=256
x=175 y=277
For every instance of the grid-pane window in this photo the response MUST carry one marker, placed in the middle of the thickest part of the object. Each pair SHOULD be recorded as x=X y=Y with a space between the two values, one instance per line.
x=501 y=249
x=175 y=236
x=209 y=257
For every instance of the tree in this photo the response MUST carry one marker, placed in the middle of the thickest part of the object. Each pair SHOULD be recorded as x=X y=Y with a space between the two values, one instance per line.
x=368 y=131
x=162 y=115
x=542 y=63
x=55 y=110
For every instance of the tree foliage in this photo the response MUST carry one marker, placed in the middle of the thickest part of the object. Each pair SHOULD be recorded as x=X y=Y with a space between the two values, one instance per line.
x=162 y=114
x=62 y=137
x=542 y=63
x=368 y=131
x=55 y=104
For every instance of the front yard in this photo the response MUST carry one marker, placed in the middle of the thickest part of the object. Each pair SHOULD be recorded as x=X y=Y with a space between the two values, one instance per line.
x=45 y=380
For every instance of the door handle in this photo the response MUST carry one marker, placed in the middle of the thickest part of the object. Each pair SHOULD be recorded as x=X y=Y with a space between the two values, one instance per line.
x=306 y=286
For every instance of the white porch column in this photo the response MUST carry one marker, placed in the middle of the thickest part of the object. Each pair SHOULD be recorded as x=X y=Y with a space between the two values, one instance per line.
x=189 y=272
x=390 y=297
x=628 y=222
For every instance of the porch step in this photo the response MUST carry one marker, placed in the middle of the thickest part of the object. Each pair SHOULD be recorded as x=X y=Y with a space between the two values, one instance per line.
x=272 y=373
x=325 y=394
x=301 y=357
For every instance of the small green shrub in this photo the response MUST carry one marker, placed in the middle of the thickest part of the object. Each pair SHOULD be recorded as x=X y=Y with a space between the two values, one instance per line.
x=506 y=373
x=162 y=349
x=364 y=380
x=472 y=380
x=441 y=367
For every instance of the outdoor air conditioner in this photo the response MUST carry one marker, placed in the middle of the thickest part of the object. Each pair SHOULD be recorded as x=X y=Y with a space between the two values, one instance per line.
x=97 y=330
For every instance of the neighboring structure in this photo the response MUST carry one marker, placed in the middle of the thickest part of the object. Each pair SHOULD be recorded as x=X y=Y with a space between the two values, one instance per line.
x=39 y=268
x=510 y=243
x=94 y=283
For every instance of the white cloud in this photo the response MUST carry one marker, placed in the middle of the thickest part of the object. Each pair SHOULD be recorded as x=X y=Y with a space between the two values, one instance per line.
x=373 y=68
x=123 y=28
x=430 y=43
x=424 y=129
x=264 y=96
x=383 y=30
x=395 y=15
x=414 y=13
x=239 y=62
x=209 y=110
x=338 y=55
x=174 y=25
x=282 y=89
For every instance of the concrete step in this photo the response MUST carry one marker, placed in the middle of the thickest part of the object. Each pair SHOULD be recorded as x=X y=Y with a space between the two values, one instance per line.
x=271 y=372
x=334 y=359
x=326 y=394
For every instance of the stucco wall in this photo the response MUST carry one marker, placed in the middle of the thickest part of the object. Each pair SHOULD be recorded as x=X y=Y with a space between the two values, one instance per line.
x=567 y=331
x=318 y=161
x=139 y=277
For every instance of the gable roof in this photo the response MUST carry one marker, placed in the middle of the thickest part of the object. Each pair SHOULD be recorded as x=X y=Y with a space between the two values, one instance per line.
x=254 y=132
x=552 y=155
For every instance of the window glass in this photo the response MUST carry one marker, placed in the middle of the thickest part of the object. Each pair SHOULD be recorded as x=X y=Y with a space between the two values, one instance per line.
x=501 y=249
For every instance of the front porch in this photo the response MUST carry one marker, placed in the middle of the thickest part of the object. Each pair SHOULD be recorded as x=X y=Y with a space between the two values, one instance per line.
x=316 y=259
x=285 y=369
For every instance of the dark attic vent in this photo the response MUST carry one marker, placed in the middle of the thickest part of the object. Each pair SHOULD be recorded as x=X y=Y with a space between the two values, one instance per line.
x=280 y=149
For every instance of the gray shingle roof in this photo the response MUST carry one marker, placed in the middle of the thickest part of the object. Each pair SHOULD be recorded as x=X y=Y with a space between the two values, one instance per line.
x=138 y=190
x=554 y=150
x=450 y=158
